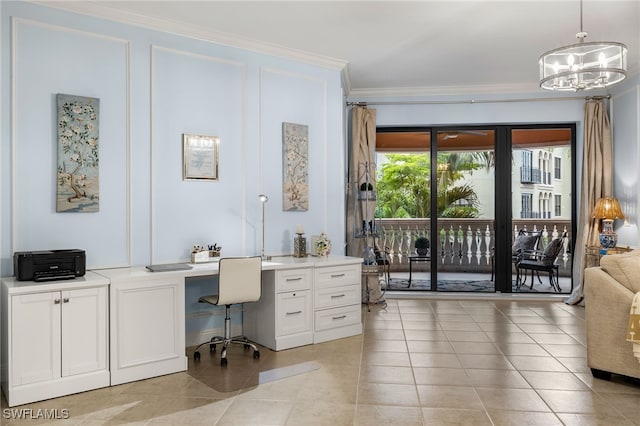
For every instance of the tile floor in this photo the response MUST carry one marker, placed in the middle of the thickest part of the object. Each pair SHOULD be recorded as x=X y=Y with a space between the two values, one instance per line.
x=418 y=362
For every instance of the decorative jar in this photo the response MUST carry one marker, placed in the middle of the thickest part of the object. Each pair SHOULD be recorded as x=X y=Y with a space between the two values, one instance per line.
x=323 y=245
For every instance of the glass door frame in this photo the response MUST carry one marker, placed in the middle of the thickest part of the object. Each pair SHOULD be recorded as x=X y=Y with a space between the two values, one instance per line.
x=502 y=205
x=504 y=217
x=433 y=222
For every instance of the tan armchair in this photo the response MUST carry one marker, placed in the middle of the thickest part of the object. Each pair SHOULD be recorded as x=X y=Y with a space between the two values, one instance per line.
x=608 y=293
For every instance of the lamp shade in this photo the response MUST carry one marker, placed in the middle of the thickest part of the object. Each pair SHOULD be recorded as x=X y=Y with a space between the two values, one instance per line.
x=607 y=208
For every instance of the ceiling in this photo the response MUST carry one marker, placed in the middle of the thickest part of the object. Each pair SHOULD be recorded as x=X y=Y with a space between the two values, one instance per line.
x=469 y=140
x=396 y=47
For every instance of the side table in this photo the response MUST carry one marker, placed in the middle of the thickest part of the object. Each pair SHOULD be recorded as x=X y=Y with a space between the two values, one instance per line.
x=593 y=254
x=416 y=258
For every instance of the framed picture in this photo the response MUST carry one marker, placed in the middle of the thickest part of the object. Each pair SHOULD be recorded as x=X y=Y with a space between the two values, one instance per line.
x=78 y=155
x=200 y=157
x=295 y=158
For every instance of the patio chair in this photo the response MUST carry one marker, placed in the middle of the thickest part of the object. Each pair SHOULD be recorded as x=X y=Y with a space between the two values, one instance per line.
x=541 y=261
x=524 y=241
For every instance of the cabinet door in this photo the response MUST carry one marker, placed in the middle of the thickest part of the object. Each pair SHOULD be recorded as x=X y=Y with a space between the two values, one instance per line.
x=35 y=338
x=294 y=313
x=147 y=329
x=84 y=330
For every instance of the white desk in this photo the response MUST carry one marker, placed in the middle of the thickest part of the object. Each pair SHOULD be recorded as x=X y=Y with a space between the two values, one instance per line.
x=304 y=300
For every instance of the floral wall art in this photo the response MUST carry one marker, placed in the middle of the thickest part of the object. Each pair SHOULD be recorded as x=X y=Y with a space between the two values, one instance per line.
x=77 y=175
x=295 y=138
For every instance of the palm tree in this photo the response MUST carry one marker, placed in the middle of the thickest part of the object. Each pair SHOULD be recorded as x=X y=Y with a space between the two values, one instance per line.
x=404 y=186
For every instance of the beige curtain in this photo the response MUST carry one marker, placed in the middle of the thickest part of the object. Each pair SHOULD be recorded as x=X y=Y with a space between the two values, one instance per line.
x=596 y=183
x=362 y=160
x=362 y=154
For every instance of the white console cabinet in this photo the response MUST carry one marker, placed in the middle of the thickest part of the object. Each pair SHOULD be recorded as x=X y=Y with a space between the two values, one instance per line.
x=119 y=325
x=317 y=301
x=54 y=338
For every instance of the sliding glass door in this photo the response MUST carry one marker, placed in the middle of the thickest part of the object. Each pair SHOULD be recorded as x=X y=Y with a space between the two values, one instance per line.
x=542 y=204
x=465 y=207
x=452 y=201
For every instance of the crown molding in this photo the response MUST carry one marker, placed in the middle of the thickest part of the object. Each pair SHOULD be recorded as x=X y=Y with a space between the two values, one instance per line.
x=97 y=10
x=443 y=90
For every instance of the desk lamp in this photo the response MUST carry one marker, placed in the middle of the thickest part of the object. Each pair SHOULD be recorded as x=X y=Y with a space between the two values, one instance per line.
x=608 y=209
x=263 y=199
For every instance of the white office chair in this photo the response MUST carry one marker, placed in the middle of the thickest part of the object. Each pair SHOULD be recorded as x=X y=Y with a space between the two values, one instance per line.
x=239 y=281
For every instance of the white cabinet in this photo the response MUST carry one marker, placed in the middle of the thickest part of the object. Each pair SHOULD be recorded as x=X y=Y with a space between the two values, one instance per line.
x=283 y=318
x=336 y=302
x=305 y=305
x=55 y=338
x=148 y=327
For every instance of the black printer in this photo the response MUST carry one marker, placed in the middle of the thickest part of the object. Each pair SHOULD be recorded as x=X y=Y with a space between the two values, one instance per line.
x=49 y=264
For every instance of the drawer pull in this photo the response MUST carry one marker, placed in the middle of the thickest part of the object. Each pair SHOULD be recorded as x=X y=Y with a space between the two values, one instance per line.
x=294 y=313
x=294 y=279
x=337 y=296
x=337 y=275
x=340 y=317
x=65 y=300
x=56 y=301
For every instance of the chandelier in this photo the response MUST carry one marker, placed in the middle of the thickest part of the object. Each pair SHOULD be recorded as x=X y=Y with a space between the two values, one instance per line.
x=583 y=66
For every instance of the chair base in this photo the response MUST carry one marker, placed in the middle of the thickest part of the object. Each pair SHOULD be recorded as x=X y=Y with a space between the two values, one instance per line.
x=219 y=340
x=226 y=341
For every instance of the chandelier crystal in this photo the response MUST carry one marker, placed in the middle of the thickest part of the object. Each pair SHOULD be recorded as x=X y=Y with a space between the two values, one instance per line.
x=583 y=66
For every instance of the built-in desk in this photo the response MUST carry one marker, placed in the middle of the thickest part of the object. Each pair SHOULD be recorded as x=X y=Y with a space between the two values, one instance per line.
x=119 y=325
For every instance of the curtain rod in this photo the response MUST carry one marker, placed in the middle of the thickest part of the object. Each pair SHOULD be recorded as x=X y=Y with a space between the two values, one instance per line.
x=472 y=101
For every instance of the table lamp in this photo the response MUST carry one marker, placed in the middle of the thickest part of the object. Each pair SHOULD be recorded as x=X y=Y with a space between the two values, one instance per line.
x=608 y=209
x=263 y=199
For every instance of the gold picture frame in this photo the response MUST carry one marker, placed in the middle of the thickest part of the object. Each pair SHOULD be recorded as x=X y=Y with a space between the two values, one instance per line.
x=200 y=157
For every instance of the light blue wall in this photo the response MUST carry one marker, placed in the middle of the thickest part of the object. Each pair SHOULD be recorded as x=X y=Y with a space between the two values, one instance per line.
x=626 y=158
x=153 y=87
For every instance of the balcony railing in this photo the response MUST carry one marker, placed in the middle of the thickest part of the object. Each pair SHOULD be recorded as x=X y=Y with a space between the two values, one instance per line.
x=530 y=175
x=463 y=245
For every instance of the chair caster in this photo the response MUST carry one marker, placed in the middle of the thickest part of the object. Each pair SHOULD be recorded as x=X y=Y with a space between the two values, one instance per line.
x=196 y=355
x=223 y=362
x=256 y=354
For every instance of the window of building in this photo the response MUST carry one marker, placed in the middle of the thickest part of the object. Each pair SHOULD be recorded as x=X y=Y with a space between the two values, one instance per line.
x=526 y=206
x=557 y=199
x=557 y=167
x=526 y=169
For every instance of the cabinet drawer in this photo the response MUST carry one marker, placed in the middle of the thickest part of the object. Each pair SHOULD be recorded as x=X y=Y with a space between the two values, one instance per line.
x=293 y=279
x=328 y=297
x=337 y=317
x=294 y=312
x=333 y=276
